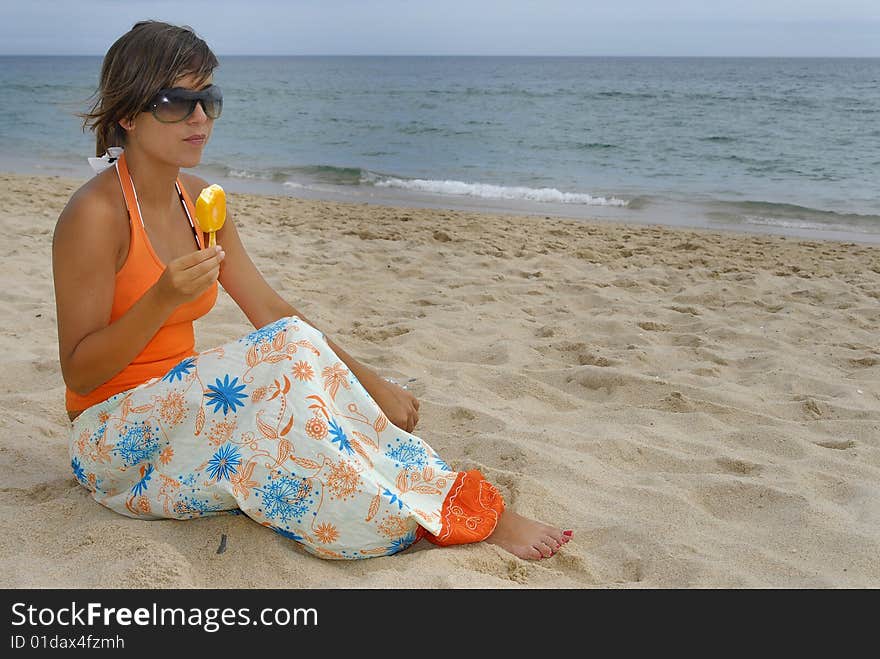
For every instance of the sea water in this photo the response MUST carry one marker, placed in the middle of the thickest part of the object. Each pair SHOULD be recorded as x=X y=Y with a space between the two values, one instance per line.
x=763 y=145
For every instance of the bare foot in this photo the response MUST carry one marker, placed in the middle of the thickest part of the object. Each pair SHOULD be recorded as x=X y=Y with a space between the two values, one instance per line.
x=527 y=538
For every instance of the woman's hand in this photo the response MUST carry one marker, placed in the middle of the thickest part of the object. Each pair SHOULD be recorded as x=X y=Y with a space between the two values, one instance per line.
x=399 y=405
x=188 y=276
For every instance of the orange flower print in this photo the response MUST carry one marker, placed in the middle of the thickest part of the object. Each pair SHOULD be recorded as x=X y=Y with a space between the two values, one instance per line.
x=269 y=456
x=167 y=485
x=333 y=377
x=102 y=450
x=303 y=371
x=221 y=432
x=326 y=553
x=143 y=505
x=82 y=441
x=241 y=482
x=166 y=455
x=327 y=533
x=342 y=481
x=172 y=408
x=316 y=428
x=427 y=516
x=393 y=526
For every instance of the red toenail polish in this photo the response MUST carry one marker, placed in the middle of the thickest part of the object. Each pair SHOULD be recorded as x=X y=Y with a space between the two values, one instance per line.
x=568 y=533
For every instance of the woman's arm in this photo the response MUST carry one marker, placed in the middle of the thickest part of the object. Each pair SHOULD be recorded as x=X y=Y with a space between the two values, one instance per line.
x=259 y=301
x=263 y=305
x=84 y=253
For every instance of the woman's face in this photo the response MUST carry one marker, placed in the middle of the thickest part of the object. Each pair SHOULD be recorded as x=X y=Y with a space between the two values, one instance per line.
x=179 y=144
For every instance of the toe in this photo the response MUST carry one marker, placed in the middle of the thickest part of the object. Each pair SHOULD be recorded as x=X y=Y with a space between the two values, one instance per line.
x=545 y=549
x=557 y=535
x=530 y=553
x=552 y=542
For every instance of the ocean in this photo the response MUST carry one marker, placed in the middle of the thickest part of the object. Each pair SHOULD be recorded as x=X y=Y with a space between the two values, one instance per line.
x=776 y=145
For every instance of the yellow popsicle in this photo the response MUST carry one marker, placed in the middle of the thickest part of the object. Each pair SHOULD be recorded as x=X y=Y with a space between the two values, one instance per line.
x=211 y=211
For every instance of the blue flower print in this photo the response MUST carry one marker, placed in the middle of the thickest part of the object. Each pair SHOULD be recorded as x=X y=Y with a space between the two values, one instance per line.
x=339 y=436
x=225 y=394
x=141 y=486
x=179 y=370
x=189 y=480
x=224 y=462
x=409 y=455
x=98 y=434
x=287 y=534
x=402 y=543
x=78 y=471
x=195 y=507
x=393 y=498
x=138 y=444
x=265 y=334
x=285 y=498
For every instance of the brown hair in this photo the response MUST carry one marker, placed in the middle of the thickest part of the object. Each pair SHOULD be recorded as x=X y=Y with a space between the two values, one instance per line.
x=144 y=60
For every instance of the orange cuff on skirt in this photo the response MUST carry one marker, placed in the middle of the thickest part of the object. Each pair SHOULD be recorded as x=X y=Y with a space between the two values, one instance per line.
x=470 y=511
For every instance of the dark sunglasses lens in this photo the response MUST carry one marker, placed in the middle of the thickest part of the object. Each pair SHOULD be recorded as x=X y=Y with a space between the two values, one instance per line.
x=169 y=108
x=174 y=106
x=212 y=102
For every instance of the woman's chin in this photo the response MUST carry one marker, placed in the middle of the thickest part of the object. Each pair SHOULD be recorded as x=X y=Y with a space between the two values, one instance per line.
x=190 y=161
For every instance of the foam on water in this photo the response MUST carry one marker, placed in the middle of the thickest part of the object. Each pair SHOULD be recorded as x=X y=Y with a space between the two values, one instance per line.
x=488 y=191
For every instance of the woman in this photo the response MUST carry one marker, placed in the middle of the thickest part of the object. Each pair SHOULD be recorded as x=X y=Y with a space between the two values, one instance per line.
x=281 y=424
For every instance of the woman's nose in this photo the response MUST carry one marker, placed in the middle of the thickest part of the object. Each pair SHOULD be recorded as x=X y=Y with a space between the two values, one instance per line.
x=198 y=114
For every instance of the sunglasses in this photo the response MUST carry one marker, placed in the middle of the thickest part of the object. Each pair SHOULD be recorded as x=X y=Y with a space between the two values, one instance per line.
x=176 y=104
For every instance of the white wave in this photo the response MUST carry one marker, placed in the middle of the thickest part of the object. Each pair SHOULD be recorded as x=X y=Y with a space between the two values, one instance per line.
x=294 y=184
x=487 y=191
x=802 y=224
x=241 y=173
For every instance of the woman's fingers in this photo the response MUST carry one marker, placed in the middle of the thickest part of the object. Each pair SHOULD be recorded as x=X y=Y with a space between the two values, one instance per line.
x=195 y=258
x=405 y=414
x=406 y=423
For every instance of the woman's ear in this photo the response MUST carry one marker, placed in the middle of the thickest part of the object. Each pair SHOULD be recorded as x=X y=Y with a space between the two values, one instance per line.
x=127 y=124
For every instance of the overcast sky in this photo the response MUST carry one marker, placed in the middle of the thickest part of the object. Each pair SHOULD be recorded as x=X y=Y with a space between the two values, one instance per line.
x=821 y=28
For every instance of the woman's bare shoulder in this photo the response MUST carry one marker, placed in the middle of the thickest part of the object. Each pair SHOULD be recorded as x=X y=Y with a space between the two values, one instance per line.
x=97 y=207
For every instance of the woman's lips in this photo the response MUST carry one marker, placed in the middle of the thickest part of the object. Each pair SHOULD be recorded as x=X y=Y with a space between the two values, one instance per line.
x=197 y=140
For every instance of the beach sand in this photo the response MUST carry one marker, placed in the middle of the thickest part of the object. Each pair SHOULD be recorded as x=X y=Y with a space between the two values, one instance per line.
x=702 y=408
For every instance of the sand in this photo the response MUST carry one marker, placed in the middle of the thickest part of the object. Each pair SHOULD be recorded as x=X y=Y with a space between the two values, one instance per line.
x=702 y=408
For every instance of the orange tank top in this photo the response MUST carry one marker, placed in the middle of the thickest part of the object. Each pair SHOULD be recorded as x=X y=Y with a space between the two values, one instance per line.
x=175 y=340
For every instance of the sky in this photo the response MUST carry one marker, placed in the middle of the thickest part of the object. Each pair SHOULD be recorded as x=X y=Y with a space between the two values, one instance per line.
x=745 y=28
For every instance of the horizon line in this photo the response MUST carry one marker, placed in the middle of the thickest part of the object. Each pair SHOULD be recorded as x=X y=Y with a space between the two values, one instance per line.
x=477 y=55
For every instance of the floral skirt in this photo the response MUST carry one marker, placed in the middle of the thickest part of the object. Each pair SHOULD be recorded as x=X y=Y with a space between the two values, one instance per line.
x=275 y=425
